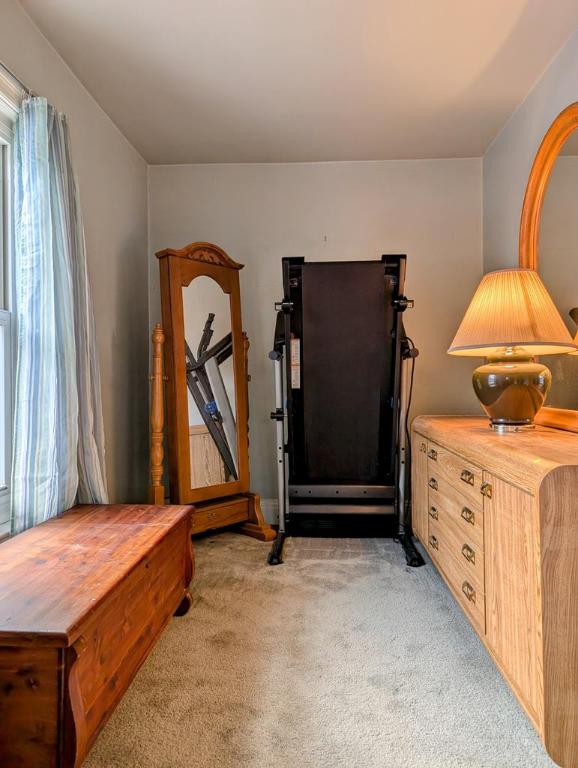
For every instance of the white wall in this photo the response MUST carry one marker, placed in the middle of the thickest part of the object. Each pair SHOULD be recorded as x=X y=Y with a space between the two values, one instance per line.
x=509 y=158
x=430 y=210
x=112 y=180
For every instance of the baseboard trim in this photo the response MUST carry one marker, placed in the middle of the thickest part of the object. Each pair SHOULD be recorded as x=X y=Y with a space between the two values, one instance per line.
x=270 y=510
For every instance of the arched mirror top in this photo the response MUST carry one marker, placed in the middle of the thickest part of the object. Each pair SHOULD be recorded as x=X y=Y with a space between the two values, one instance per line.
x=206 y=253
x=552 y=143
x=549 y=244
x=198 y=259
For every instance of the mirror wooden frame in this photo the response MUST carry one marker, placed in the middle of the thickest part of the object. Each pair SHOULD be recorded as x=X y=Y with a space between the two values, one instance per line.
x=556 y=135
x=225 y=503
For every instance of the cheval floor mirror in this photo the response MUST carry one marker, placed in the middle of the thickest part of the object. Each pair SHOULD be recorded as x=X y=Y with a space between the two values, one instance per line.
x=200 y=365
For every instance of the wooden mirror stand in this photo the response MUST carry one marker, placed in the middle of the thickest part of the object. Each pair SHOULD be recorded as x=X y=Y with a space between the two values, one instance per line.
x=226 y=500
x=559 y=131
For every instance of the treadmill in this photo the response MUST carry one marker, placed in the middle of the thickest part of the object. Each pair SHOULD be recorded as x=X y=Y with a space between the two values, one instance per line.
x=342 y=324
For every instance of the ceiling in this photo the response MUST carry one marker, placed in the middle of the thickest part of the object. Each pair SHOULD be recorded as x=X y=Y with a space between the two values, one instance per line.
x=197 y=81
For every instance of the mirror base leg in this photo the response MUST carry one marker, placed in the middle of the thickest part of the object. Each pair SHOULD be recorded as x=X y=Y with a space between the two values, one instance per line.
x=256 y=527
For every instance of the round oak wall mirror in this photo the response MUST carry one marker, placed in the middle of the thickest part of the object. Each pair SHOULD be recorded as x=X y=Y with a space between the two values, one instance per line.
x=549 y=244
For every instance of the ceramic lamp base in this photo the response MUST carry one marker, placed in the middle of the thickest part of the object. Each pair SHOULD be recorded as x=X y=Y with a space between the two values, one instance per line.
x=512 y=392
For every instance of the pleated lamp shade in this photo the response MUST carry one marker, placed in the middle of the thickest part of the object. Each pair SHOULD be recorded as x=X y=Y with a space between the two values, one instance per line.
x=511 y=308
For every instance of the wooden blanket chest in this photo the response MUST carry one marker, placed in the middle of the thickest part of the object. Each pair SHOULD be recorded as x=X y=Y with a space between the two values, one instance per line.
x=83 y=597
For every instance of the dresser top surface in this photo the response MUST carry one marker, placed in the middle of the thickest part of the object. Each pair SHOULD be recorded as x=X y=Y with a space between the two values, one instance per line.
x=524 y=457
x=53 y=575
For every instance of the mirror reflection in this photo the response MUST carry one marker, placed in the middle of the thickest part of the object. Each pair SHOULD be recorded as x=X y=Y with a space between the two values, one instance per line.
x=210 y=383
x=558 y=265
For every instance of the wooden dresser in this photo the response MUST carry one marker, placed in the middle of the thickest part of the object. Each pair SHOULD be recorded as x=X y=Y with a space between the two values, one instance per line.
x=84 y=597
x=498 y=515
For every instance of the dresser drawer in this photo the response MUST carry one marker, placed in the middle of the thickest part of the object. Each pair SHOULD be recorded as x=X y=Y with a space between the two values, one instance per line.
x=464 y=581
x=445 y=543
x=462 y=548
x=465 y=517
x=436 y=544
x=453 y=476
x=218 y=515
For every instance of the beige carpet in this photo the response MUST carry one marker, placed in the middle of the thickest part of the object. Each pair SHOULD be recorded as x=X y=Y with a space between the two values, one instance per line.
x=341 y=658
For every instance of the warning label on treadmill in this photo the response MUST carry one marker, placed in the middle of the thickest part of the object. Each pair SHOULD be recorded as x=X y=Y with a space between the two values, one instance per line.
x=295 y=364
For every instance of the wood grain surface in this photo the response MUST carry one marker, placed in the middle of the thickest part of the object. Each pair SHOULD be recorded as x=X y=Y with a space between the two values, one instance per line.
x=465 y=517
x=178 y=268
x=529 y=618
x=520 y=458
x=513 y=621
x=84 y=598
x=452 y=472
x=559 y=572
x=458 y=577
x=55 y=574
x=419 y=499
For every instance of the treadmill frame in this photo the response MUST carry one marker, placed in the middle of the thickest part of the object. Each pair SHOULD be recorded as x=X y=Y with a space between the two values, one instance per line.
x=346 y=498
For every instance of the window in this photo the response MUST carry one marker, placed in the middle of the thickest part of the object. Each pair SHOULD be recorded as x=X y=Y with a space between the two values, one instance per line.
x=9 y=100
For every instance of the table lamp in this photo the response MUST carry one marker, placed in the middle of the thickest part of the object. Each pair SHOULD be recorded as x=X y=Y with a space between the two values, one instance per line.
x=510 y=320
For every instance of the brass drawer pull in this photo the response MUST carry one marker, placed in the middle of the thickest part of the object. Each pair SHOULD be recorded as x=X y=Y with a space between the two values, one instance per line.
x=468 y=515
x=433 y=513
x=469 y=554
x=433 y=483
x=469 y=592
x=434 y=542
x=467 y=476
x=486 y=490
x=423 y=448
x=432 y=454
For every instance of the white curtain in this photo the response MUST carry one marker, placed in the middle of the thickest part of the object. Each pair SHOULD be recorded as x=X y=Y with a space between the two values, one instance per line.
x=58 y=454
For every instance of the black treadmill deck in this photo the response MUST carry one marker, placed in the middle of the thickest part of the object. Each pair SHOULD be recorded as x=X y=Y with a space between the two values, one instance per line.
x=342 y=393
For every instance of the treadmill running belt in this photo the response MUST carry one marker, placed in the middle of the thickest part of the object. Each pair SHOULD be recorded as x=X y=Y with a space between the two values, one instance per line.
x=347 y=366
